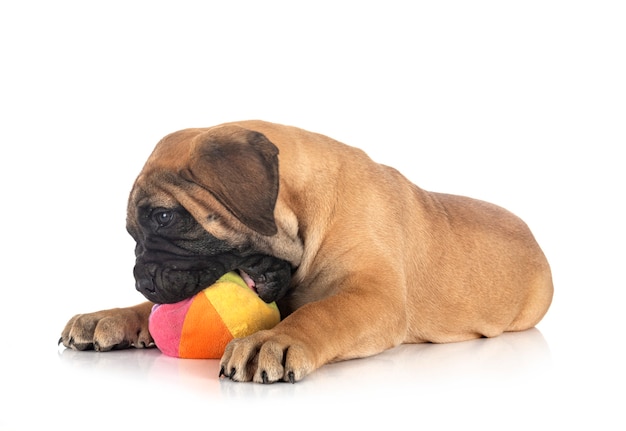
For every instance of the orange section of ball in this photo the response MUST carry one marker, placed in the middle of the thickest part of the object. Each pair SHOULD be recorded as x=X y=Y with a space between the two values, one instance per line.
x=211 y=341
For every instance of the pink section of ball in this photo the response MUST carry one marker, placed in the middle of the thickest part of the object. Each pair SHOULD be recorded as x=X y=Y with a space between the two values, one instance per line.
x=166 y=325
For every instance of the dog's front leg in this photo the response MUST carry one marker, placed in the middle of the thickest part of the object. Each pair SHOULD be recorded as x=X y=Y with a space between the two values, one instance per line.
x=346 y=325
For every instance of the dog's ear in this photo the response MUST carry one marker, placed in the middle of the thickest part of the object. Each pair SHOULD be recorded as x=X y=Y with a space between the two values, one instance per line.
x=239 y=167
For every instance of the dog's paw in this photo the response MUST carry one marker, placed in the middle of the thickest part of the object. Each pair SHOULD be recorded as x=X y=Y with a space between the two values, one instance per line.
x=264 y=357
x=114 y=329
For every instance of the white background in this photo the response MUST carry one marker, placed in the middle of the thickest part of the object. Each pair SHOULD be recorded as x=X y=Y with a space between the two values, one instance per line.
x=518 y=103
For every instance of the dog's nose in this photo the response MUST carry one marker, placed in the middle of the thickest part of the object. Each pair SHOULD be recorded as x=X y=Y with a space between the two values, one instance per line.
x=144 y=285
x=144 y=278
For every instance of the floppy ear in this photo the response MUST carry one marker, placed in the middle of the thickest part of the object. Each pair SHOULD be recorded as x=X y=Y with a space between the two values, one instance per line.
x=240 y=169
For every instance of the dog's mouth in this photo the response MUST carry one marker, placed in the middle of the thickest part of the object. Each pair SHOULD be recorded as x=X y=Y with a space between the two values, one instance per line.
x=248 y=280
x=270 y=281
x=266 y=276
x=263 y=286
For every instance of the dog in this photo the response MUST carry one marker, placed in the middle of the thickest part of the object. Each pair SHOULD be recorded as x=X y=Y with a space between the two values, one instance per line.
x=357 y=257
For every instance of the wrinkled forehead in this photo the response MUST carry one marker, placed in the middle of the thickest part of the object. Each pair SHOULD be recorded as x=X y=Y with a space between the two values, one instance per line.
x=147 y=192
x=170 y=155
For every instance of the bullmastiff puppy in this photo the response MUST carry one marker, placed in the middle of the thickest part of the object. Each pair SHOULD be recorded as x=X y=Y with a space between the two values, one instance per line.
x=358 y=258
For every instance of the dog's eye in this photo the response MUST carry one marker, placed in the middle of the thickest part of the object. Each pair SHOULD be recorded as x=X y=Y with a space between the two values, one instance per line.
x=163 y=217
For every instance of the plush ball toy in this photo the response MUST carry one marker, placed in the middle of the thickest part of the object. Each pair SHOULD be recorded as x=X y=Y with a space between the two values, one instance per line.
x=200 y=327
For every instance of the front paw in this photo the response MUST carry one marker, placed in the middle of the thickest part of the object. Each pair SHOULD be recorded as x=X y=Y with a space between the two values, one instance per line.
x=264 y=357
x=114 y=329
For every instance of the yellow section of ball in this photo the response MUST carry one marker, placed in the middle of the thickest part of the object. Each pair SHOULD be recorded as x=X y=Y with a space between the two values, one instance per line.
x=240 y=308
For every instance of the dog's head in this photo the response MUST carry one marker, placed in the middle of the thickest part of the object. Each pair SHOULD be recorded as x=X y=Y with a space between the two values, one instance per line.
x=200 y=207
